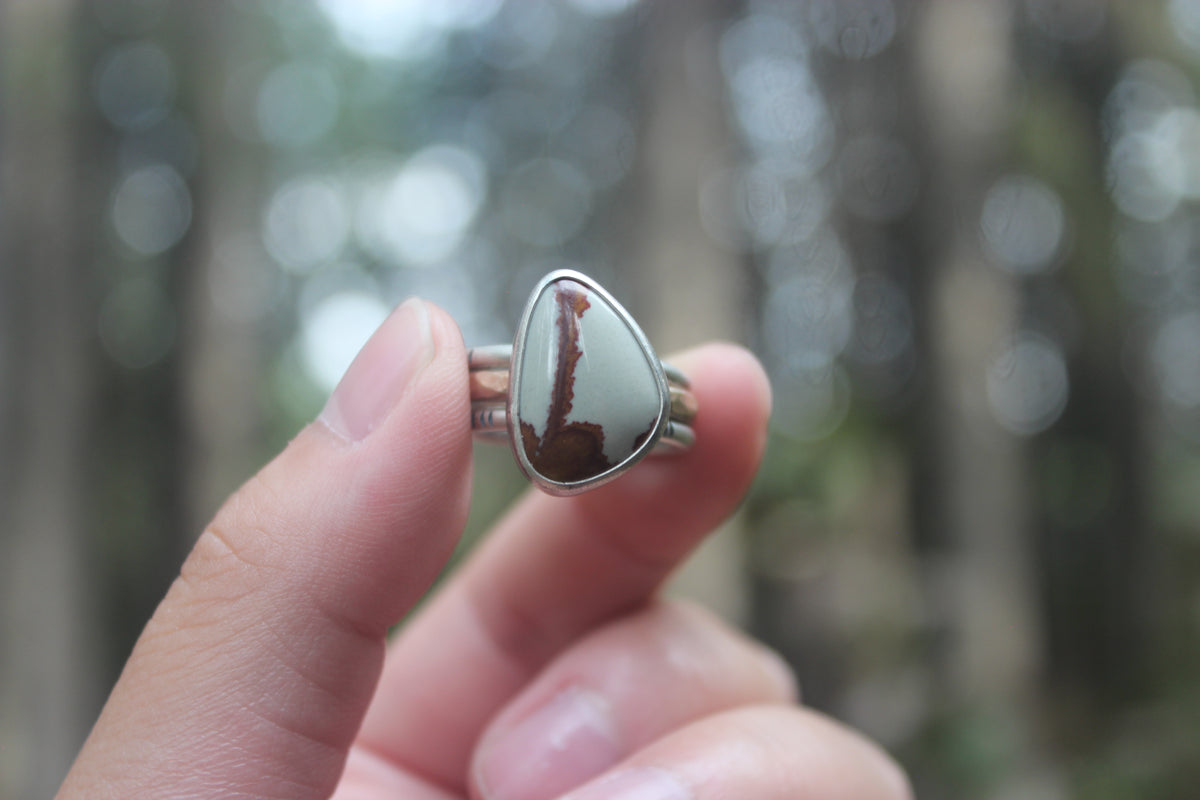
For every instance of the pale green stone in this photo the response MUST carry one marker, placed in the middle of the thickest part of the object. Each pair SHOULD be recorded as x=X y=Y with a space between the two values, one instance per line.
x=614 y=389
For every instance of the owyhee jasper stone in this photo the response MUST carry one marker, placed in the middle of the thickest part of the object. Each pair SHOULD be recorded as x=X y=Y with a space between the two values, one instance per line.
x=589 y=396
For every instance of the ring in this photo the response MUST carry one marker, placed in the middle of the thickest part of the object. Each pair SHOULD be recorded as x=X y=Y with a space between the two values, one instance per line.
x=580 y=394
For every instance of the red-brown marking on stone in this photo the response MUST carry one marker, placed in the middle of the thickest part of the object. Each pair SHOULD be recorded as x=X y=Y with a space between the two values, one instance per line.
x=568 y=451
x=574 y=453
x=572 y=301
x=641 y=438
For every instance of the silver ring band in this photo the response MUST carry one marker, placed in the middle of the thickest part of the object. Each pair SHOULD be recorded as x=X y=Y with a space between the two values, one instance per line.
x=580 y=395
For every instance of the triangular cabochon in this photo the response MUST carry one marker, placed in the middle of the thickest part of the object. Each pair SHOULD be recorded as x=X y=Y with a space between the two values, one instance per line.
x=588 y=395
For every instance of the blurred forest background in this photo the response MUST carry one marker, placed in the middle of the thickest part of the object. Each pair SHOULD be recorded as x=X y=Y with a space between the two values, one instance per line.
x=962 y=234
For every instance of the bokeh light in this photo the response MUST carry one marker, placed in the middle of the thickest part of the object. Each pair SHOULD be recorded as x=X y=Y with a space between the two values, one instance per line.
x=407 y=31
x=808 y=319
x=545 y=201
x=878 y=178
x=1067 y=20
x=134 y=85
x=1185 y=21
x=420 y=213
x=1023 y=225
x=853 y=29
x=136 y=323
x=1027 y=383
x=298 y=104
x=307 y=223
x=780 y=109
x=1175 y=355
x=812 y=403
x=883 y=321
x=334 y=330
x=151 y=209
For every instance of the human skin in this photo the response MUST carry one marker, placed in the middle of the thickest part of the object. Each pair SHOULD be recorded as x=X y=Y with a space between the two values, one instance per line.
x=546 y=667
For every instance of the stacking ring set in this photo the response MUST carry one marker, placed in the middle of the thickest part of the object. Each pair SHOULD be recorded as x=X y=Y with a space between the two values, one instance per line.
x=579 y=395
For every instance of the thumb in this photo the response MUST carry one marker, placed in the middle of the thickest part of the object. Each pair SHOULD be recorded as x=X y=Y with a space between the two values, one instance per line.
x=255 y=671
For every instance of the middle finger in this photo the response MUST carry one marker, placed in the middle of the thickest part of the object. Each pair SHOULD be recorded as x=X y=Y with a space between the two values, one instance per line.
x=558 y=567
x=615 y=692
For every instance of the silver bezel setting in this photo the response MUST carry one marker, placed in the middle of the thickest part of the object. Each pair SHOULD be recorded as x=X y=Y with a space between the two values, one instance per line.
x=575 y=487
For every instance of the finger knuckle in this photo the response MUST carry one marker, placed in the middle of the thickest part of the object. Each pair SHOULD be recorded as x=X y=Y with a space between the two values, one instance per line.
x=774 y=732
x=719 y=643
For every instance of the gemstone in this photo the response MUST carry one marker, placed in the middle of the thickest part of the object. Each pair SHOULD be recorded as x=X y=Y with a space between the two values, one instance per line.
x=587 y=395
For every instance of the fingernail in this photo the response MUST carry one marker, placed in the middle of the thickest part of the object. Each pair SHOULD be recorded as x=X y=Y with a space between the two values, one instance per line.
x=561 y=745
x=387 y=363
x=637 y=783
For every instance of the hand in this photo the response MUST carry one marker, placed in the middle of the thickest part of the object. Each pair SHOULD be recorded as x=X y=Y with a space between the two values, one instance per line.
x=545 y=666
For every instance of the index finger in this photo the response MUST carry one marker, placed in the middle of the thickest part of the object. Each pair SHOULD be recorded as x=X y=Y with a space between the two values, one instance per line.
x=557 y=567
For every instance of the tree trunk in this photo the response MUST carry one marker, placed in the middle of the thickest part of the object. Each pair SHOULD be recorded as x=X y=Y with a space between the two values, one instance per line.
x=224 y=294
x=690 y=290
x=971 y=491
x=47 y=667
